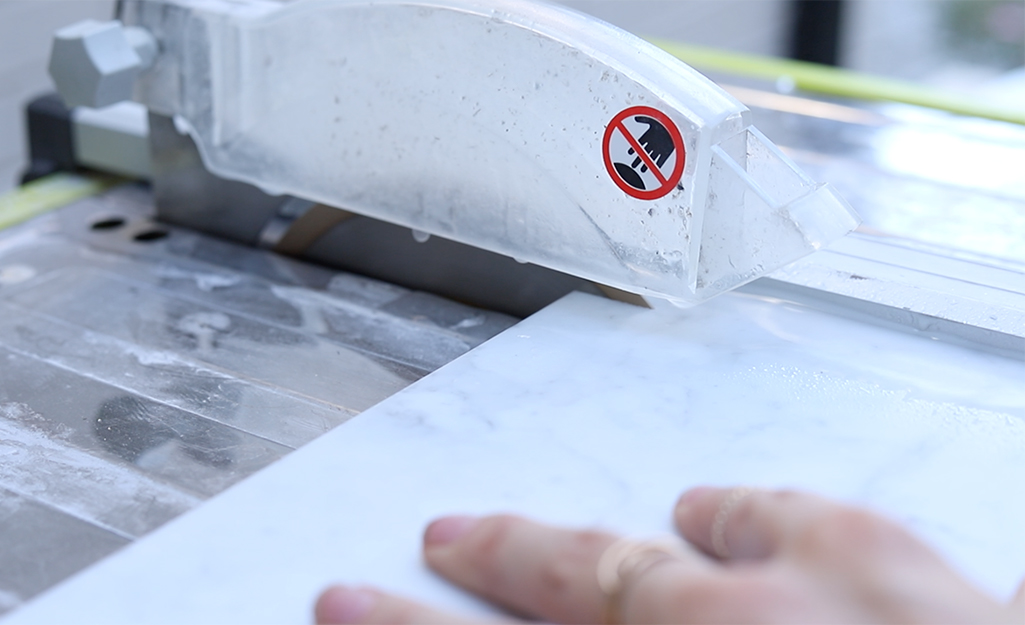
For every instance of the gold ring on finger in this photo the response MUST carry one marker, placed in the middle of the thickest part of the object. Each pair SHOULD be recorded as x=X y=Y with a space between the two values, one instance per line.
x=627 y=559
x=722 y=518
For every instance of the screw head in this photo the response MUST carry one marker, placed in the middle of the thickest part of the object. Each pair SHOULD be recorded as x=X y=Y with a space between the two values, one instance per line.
x=93 y=64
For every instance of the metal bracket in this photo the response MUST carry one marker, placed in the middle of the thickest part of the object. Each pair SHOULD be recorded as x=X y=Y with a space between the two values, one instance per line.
x=940 y=293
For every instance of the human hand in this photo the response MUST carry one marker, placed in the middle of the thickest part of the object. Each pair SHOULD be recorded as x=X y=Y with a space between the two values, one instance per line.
x=757 y=556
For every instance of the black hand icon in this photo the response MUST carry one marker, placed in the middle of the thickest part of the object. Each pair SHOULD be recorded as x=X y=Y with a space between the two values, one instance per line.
x=656 y=141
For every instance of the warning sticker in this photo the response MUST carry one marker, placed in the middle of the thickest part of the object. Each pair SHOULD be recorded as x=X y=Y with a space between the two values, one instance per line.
x=643 y=152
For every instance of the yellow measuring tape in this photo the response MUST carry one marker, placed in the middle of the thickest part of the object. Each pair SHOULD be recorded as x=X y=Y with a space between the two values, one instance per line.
x=48 y=193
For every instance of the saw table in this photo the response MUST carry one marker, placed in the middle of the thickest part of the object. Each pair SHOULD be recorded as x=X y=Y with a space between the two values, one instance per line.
x=221 y=392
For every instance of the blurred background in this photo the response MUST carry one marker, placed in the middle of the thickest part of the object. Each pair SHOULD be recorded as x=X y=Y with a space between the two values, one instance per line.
x=973 y=47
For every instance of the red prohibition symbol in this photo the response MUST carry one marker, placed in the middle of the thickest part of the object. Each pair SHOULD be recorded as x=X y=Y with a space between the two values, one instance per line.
x=644 y=152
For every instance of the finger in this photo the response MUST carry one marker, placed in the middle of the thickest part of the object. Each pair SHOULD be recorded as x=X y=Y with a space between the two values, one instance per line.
x=530 y=568
x=676 y=593
x=719 y=522
x=340 y=604
x=763 y=524
x=524 y=566
x=663 y=582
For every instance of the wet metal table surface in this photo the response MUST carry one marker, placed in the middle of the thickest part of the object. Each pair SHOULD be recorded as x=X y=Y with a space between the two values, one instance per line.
x=144 y=369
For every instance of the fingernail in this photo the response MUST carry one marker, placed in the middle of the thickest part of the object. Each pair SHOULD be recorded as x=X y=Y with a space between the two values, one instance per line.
x=689 y=498
x=345 y=605
x=447 y=529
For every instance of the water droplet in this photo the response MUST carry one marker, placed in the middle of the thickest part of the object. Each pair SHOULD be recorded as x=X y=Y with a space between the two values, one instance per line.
x=786 y=84
x=420 y=236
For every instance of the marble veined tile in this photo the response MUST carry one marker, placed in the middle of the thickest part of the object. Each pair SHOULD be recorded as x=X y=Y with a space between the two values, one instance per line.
x=595 y=413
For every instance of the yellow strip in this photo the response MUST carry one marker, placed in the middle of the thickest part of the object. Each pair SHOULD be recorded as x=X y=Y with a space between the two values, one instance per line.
x=834 y=81
x=48 y=193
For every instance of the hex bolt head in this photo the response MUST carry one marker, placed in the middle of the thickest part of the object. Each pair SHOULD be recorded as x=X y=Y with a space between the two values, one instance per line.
x=95 y=63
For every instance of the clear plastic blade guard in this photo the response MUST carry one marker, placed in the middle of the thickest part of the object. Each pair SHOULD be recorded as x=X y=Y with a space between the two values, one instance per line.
x=518 y=127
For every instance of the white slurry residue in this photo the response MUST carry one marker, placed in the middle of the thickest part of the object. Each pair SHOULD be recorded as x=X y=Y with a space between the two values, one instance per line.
x=204 y=281
x=38 y=464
